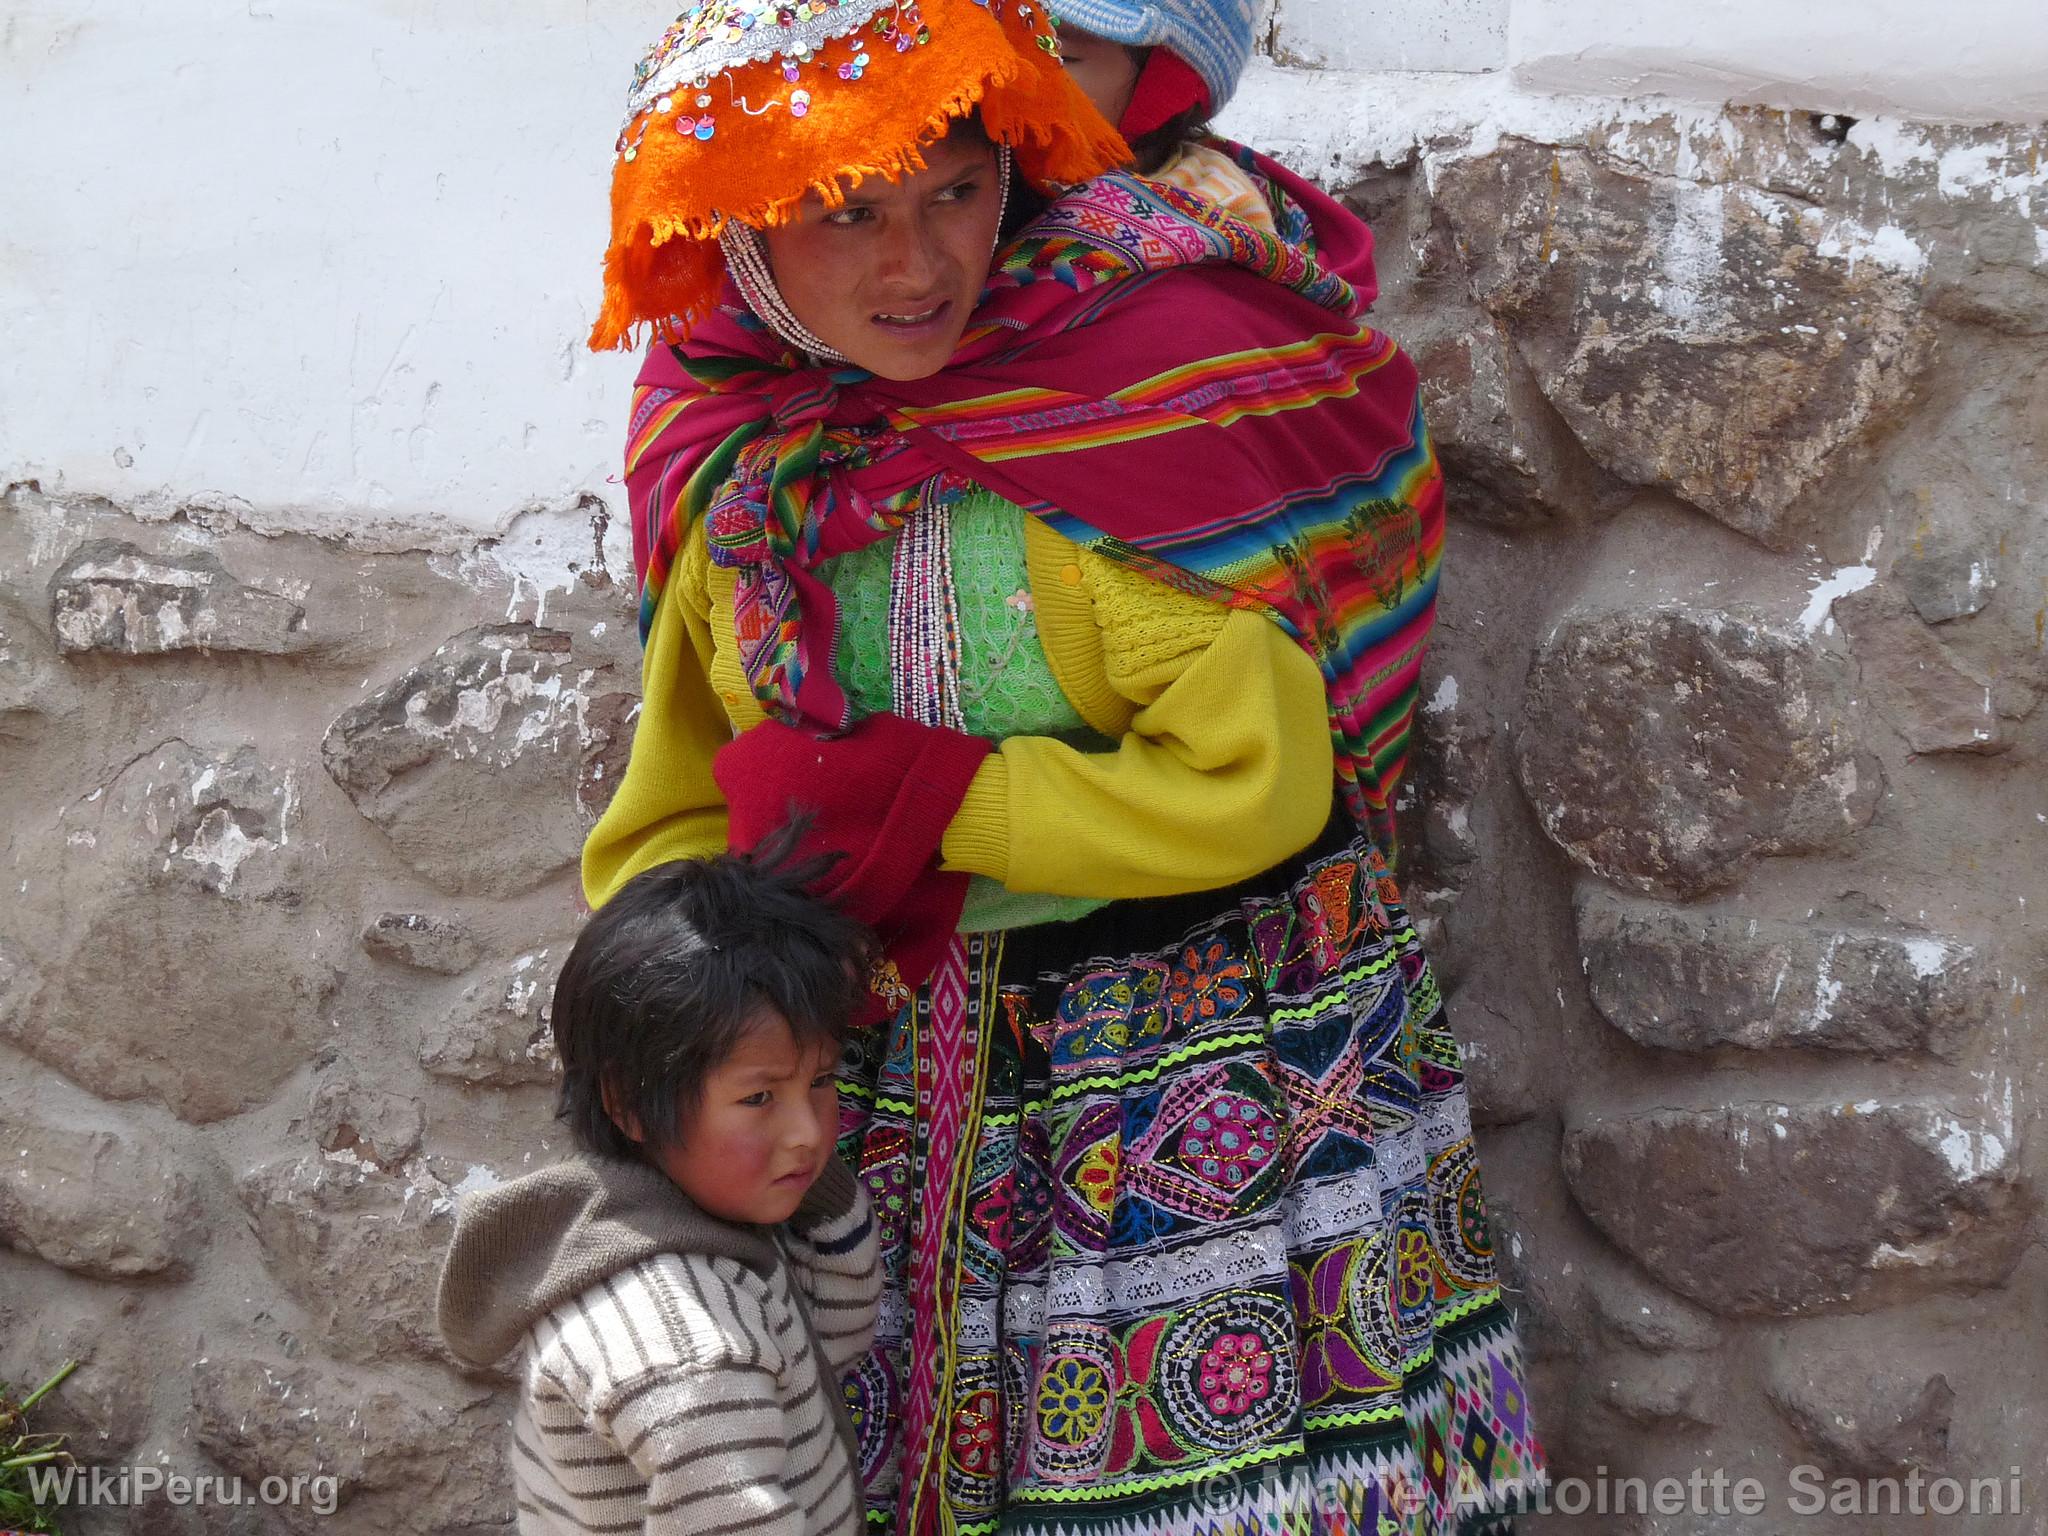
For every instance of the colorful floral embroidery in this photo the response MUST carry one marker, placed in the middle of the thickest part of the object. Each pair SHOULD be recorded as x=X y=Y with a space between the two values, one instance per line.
x=1073 y=1397
x=1210 y=982
x=1230 y=1141
x=977 y=1434
x=1095 y=1174
x=1237 y=1372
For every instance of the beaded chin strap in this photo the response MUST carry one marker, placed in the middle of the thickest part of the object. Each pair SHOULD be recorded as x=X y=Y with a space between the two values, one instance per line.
x=746 y=257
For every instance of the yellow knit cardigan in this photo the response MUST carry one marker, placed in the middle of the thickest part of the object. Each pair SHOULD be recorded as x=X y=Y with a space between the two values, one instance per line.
x=1222 y=766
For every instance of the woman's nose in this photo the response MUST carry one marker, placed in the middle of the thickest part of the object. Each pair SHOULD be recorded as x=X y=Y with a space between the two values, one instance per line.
x=911 y=260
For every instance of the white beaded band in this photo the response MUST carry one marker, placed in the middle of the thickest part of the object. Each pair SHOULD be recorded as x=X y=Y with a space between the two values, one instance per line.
x=746 y=257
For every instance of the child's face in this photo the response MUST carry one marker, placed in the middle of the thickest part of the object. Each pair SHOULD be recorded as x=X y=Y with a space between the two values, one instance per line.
x=761 y=1133
x=1105 y=71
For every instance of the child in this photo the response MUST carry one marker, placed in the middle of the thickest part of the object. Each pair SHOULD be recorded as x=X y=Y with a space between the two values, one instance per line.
x=1160 y=70
x=690 y=1286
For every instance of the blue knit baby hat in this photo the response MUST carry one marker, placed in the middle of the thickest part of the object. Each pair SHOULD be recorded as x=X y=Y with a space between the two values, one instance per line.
x=1214 y=36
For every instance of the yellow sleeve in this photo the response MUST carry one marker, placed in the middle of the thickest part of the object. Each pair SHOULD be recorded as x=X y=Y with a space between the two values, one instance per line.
x=1223 y=765
x=668 y=806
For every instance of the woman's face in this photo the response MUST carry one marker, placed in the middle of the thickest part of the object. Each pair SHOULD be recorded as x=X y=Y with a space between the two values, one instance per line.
x=1106 y=72
x=889 y=279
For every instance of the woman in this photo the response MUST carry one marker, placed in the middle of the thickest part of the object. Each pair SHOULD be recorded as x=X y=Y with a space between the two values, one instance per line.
x=1077 y=596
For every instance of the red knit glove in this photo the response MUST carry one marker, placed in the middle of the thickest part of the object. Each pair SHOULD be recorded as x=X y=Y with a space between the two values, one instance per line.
x=882 y=796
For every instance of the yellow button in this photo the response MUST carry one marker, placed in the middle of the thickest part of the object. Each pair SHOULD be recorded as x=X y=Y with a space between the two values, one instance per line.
x=1071 y=575
x=731 y=696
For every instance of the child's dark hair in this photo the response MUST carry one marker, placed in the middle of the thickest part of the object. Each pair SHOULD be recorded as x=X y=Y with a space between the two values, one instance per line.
x=669 y=974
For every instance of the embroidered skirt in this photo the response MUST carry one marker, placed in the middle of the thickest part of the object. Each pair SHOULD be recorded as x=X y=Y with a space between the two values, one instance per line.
x=1183 y=1230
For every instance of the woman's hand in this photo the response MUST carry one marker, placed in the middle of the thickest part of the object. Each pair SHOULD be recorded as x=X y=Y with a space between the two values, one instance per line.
x=881 y=796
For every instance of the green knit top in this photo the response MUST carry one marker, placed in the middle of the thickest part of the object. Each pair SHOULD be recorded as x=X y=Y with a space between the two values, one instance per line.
x=1007 y=687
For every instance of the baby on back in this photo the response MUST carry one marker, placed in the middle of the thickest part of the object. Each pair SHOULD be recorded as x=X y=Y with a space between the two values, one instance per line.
x=1161 y=70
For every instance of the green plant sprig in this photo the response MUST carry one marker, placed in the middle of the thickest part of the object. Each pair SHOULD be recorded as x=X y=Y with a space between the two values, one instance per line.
x=22 y=1449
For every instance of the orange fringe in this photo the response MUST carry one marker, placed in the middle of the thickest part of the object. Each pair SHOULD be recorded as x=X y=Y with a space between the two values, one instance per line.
x=663 y=271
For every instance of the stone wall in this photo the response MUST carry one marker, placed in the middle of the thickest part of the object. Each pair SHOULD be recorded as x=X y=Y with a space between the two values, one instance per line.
x=1733 y=809
x=1729 y=818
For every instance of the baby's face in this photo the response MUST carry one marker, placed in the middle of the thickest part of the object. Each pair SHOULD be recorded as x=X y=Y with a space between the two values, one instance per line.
x=1106 y=72
x=761 y=1133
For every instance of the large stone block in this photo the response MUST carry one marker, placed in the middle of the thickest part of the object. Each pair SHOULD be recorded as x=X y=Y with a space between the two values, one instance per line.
x=1722 y=342
x=610 y=723
x=1696 y=979
x=1966 y=547
x=105 y=1201
x=1655 y=1392
x=1864 y=1411
x=1765 y=1209
x=103 y=1408
x=351 y=1114
x=1949 y=570
x=422 y=942
x=190 y=975
x=360 y=1249
x=409 y=1456
x=114 y=596
x=1666 y=748
x=30 y=685
x=205 y=1009
x=184 y=819
x=1507 y=458
x=485 y=735
x=1938 y=702
x=499 y=1034
x=1640 y=1316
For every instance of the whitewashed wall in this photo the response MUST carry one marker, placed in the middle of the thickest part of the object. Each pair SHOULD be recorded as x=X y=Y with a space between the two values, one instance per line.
x=327 y=266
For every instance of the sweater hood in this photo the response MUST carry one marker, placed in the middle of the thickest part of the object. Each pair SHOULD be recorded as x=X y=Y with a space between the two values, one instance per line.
x=524 y=1248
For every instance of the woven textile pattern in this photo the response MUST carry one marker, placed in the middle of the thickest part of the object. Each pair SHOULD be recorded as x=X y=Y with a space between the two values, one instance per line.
x=1161 y=383
x=1223 y=1262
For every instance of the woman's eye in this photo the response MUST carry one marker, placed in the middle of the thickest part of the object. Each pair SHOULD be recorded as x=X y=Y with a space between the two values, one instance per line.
x=756 y=1100
x=847 y=217
x=824 y=1080
x=960 y=191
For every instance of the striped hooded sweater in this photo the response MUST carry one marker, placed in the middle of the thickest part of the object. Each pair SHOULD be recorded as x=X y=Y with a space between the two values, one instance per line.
x=679 y=1374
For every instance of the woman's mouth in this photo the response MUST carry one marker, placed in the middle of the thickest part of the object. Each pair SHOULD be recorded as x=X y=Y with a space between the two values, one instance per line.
x=914 y=324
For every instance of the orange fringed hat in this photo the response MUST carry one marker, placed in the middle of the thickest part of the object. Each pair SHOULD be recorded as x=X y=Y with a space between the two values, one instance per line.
x=744 y=106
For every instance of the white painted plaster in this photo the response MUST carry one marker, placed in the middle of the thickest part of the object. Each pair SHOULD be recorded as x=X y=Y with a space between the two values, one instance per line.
x=1462 y=35
x=1819 y=610
x=1983 y=61
x=328 y=265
